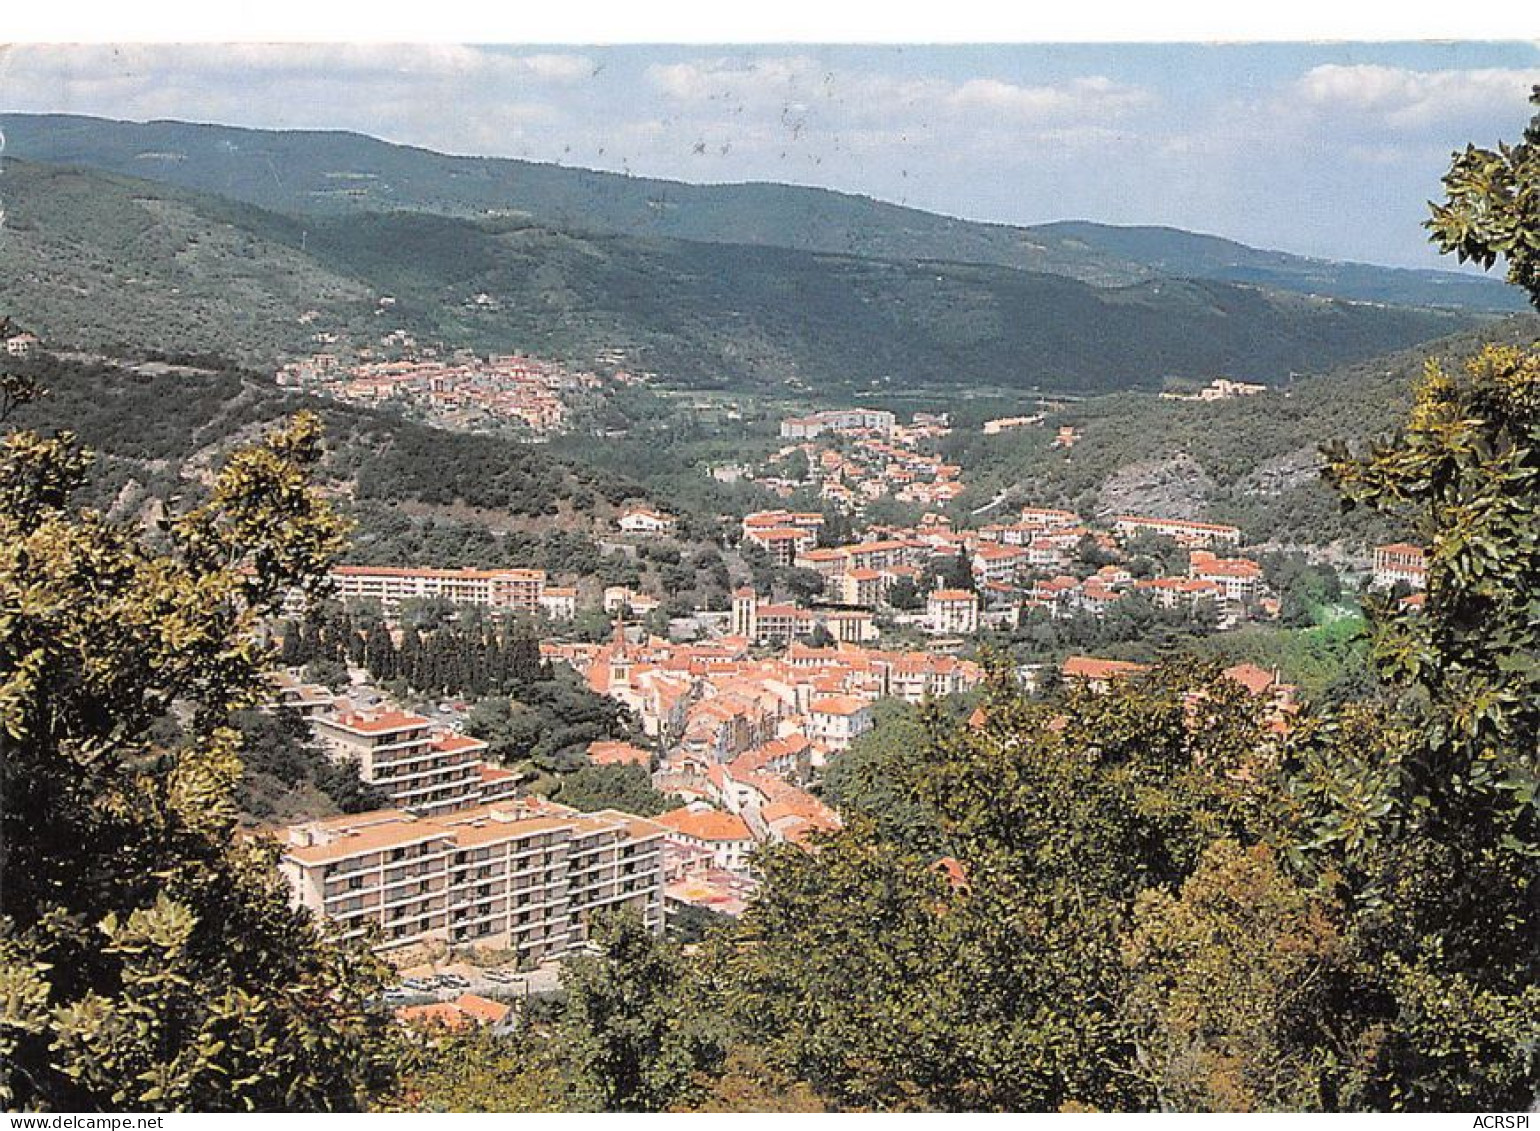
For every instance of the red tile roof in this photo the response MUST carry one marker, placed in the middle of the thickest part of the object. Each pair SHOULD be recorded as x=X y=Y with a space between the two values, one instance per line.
x=706 y=824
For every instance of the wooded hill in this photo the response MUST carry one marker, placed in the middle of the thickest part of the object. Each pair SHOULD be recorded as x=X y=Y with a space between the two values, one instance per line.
x=102 y=260
x=158 y=429
x=1254 y=461
x=338 y=172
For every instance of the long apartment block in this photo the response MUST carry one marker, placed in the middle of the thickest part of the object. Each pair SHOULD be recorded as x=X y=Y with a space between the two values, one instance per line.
x=526 y=875
x=516 y=589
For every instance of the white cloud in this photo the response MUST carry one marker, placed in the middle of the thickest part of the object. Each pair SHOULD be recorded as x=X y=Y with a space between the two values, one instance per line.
x=93 y=70
x=1407 y=100
x=798 y=85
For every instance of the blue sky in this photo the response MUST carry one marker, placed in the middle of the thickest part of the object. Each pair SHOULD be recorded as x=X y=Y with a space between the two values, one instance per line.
x=1329 y=150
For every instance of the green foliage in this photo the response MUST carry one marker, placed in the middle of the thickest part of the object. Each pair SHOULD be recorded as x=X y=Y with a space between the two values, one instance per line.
x=1493 y=208
x=872 y=779
x=1305 y=589
x=627 y=788
x=865 y=975
x=284 y=775
x=151 y=958
x=476 y=1069
x=547 y=723
x=1443 y=878
x=1325 y=660
x=628 y=1036
x=1232 y=986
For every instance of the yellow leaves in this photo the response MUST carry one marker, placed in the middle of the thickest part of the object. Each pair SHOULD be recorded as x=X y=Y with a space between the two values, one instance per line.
x=166 y=927
x=202 y=783
x=23 y=990
x=1223 y=974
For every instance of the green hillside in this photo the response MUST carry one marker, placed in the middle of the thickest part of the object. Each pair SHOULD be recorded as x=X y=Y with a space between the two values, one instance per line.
x=1171 y=251
x=1254 y=461
x=300 y=171
x=157 y=429
x=99 y=259
x=313 y=172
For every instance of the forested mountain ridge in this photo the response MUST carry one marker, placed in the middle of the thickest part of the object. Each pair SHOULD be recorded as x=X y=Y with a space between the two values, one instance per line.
x=1174 y=252
x=100 y=260
x=332 y=172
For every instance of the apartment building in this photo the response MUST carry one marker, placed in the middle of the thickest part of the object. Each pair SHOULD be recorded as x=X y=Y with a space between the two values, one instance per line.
x=810 y=521
x=952 y=612
x=519 y=590
x=523 y=875
x=559 y=602
x=1239 y=579
x=399 y=753
x=864 y=587
x=838 y=720
x=1204 y=534
x=725 y=835
x=1400 y=561
x=1048 y=518
x=1179 y=592
x=838 y=420
x=782 y=543
x=993 y=562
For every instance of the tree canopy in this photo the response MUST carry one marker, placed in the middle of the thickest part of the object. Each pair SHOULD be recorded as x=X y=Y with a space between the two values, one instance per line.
x=150 y=955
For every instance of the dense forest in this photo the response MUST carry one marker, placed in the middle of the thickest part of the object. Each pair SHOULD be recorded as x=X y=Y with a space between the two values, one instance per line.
x=96 y=260
x=331 y=172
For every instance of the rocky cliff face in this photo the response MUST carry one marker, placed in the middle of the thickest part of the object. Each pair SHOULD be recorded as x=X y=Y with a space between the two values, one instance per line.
x=1173 y=486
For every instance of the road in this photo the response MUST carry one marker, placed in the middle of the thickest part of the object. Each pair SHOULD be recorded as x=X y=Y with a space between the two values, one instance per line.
x=993 y=503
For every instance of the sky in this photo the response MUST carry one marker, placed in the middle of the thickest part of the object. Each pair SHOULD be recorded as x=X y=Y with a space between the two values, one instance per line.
x=1330 y=150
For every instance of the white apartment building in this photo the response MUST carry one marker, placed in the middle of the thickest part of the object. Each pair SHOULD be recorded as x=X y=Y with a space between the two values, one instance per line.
x=1239 y=579
x=399 y=753
x=1206 y=534
x=838 y=720
x=838 y=420
x=523 y=875
x=724 y=835
x=559 y=603
x=517 y=589
x=1400 y=561
x=952 y=612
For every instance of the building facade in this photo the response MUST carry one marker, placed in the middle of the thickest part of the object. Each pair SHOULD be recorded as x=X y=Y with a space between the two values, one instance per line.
x=1400 y=561
x=518 y=590
x=523 y=875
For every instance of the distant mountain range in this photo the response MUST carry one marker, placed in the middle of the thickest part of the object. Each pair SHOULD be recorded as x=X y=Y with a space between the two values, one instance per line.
x=331 y=173
x=100 y=259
